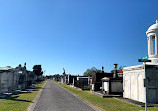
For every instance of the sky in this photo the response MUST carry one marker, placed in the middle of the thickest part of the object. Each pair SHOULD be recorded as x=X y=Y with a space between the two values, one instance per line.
x=74 y=34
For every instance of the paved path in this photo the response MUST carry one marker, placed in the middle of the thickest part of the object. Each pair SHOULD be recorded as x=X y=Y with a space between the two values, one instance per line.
x=55 y=98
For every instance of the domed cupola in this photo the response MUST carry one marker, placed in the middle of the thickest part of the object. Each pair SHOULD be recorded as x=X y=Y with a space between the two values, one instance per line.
x=152 y=36
x=153 y=28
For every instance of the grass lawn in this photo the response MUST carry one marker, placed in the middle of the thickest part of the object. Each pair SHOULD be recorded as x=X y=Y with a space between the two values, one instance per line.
x=106 y=104
x=19 y=102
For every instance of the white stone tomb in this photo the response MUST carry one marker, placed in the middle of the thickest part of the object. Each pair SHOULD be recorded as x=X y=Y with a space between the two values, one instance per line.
x=133 y=77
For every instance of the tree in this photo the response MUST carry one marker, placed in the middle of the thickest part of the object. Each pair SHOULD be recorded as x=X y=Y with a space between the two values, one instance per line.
x=37 y=70
x=89 y=72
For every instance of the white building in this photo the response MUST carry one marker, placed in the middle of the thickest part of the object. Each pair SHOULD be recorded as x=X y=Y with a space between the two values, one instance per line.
x=133 y=82
x=133 y=77
x=18 y=78
x=152 y=36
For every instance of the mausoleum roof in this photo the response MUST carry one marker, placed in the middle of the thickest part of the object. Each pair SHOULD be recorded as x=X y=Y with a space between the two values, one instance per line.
x=154 y=26
x=5 y=68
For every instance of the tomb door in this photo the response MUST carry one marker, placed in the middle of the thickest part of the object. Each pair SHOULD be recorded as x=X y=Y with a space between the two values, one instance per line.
x=141 y=89
x=134 y=91
x=127 y=87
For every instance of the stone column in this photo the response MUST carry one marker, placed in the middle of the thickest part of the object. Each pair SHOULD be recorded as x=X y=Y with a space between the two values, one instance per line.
x=149 y=46
x=152 y=45
x=115 y=71
x=68 y=79
x=73 y=82
x=156 y=44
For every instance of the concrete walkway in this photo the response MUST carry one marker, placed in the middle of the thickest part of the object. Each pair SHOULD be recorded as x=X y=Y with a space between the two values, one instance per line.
x=55 y=98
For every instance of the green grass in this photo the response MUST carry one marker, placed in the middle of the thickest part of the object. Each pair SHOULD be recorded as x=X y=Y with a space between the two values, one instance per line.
x=19 y=102
x=106 y=104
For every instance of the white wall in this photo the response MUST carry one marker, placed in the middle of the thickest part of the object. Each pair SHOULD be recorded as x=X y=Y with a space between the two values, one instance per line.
x=133 y=83
x=106 y=86
x=6 y=81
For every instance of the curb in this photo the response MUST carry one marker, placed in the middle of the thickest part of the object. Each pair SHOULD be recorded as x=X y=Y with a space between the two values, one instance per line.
x=34 y=102
x=86 y=102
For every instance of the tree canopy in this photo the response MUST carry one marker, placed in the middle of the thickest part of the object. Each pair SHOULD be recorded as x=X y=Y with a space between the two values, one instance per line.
x=37 y=70
x=89 y=72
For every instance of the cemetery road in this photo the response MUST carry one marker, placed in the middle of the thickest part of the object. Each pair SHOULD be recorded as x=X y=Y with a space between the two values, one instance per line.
x=55 y=98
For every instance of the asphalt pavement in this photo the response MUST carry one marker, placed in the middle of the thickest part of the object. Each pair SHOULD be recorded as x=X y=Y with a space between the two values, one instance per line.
x=55 y=98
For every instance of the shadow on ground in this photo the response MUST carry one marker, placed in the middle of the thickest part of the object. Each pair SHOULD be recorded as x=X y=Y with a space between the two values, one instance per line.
x=14 y=96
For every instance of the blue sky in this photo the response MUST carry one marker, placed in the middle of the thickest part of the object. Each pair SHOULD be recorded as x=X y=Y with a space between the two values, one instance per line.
x=74 y=34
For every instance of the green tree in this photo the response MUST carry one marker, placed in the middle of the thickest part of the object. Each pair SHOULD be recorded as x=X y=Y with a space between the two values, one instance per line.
x=89 y=72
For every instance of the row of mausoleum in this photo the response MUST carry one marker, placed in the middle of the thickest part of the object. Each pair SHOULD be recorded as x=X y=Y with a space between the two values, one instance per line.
x=16 y=79
x=138 y=83
x=103 y=82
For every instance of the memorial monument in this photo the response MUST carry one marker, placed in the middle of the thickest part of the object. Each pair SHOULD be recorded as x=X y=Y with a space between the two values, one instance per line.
x=137 y=80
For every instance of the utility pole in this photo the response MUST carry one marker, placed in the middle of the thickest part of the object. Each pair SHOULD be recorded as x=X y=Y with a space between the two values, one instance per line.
x=145 y=81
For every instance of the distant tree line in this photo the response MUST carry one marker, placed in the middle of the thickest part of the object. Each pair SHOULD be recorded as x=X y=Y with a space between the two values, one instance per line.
x=89 y=72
